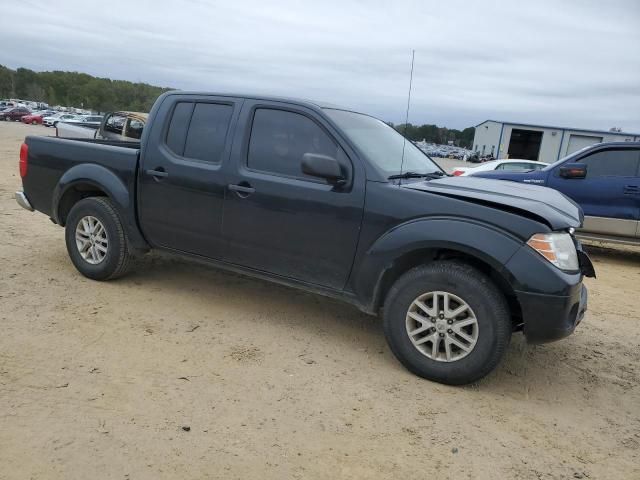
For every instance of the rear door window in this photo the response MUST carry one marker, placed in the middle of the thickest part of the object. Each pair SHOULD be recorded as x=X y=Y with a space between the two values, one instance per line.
x=612 y=163
x=207 y=132
x=199 y=130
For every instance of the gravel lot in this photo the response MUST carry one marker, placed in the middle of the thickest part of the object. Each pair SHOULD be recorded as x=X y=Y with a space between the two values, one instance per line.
x=181 y=371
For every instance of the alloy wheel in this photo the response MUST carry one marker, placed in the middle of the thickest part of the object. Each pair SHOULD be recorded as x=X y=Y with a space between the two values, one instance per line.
x=442 y=326
x=92 y=240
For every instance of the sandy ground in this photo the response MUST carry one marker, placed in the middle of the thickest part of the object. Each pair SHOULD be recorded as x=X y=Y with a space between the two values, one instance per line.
x=103 y=380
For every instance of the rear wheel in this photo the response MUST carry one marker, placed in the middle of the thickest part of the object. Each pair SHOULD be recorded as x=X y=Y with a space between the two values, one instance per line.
x=96 y=240
x=448 y=322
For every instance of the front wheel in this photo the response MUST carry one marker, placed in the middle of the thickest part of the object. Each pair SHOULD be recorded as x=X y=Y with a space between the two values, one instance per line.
x=96 y=239
x=448 y=322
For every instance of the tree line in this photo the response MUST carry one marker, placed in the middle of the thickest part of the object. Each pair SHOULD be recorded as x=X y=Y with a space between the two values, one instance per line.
x=435 y=134
x=74 y=89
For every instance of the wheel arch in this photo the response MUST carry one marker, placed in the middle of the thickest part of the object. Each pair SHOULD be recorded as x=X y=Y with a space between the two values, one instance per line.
x=91 y=180
x=416 y=243
x=87 y=180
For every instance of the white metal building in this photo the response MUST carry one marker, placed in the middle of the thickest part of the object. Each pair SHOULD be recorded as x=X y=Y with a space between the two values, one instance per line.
x=538 y=142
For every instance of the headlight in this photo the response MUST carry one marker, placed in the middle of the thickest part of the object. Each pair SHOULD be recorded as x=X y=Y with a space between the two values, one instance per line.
x=558 y=248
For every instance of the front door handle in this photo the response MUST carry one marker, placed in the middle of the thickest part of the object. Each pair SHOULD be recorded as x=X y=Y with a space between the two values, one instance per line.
x=242 y=190
x=157 y=174
x=631 y=190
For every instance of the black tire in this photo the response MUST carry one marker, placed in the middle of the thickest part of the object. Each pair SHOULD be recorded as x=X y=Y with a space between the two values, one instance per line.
x=117 y=258
x=478 y=291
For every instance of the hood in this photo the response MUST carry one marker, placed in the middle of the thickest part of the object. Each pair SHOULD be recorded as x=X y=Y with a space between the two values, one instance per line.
x=542 y=203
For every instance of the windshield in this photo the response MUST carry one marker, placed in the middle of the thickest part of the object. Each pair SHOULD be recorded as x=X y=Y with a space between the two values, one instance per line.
x=381 y=144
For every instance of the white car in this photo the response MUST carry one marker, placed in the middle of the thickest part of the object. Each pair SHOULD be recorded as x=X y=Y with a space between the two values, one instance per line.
x=53 y=120
x=505 y=164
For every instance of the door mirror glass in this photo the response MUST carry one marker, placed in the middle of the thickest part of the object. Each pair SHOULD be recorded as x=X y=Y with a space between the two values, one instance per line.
x=322 y=166
x=573 y=170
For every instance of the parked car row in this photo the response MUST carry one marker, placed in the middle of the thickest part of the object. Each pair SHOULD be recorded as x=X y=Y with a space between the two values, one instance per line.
x=14 y=113
x=35 y=106
x=444 y=151
x=89 y=120
x=503 y=165
x=15 y=102
x=35 y=118
x=48 y=118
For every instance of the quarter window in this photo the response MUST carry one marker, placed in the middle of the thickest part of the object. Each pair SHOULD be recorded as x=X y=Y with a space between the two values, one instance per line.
x=612 y=163
x=280 y=138
x=177 y=132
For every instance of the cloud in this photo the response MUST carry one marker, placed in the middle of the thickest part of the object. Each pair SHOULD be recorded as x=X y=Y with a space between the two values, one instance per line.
x=571 y=63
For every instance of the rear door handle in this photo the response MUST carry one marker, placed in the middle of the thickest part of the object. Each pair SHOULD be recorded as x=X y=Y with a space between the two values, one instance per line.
x=157 y=173
x=631 y=190
x=242 y=190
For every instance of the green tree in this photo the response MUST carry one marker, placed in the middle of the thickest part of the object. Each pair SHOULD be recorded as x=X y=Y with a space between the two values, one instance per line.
x=435 y=134
x=75 y=89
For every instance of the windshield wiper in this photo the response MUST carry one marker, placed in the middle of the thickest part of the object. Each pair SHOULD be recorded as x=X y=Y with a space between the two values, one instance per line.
x=430 y=175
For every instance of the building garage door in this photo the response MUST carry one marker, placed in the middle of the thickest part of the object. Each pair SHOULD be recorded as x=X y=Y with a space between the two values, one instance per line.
x=524 y=144
x=577 y=142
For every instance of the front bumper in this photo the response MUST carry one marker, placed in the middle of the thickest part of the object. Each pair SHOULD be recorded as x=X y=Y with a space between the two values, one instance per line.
x=552 y=302
x=549 y=317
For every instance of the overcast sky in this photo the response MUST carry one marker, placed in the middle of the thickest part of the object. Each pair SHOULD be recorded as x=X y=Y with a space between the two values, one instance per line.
x=568 y=63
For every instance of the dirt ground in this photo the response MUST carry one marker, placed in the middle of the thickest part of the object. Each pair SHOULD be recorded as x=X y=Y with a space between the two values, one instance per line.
x=182 y=371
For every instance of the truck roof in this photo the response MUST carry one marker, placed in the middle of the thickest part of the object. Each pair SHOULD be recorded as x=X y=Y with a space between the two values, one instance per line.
x=272 y=98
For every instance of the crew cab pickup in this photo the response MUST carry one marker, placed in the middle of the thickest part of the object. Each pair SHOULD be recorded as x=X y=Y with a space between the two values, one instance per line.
x=604 y=179
x=330 y=201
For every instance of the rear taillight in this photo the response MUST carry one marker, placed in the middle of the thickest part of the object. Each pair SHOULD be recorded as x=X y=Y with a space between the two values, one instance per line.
x=24 y=153
x=457 y=173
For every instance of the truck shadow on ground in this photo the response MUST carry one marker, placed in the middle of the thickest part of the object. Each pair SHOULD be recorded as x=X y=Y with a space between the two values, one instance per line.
x=523 y=366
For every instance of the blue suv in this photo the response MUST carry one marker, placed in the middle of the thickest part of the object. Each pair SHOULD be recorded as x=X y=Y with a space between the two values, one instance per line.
x=604 y=179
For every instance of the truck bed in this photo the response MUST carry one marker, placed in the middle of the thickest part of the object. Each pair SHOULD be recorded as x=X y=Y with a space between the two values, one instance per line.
x=50 y=158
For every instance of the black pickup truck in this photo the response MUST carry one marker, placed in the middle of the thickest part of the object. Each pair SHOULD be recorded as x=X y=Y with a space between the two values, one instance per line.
x=314 y=196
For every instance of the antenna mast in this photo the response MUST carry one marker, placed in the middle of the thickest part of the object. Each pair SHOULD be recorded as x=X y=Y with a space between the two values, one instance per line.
x=406 y=118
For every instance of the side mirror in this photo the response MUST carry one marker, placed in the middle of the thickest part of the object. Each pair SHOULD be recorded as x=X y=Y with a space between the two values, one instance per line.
x=573 y=170
x=323 y=166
